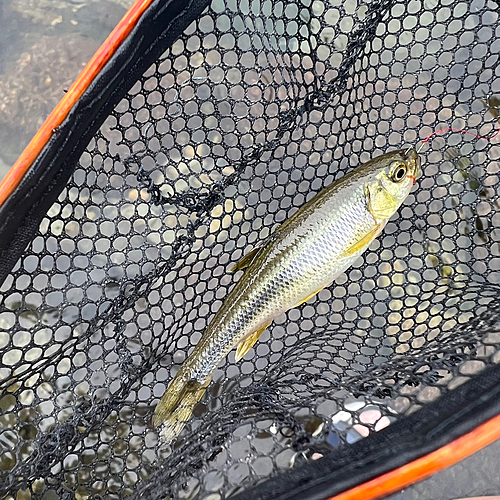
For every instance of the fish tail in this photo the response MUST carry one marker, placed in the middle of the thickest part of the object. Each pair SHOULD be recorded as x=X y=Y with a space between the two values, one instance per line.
x=177 y=404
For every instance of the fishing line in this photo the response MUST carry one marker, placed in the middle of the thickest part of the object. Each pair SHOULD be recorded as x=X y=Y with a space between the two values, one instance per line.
x=453 y=129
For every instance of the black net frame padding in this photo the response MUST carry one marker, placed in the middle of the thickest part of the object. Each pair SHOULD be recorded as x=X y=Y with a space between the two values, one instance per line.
x=20 y=216
x=413 y=437
x=75 y=421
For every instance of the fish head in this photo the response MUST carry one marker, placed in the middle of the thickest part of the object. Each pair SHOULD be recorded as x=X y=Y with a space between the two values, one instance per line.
x=392 y=177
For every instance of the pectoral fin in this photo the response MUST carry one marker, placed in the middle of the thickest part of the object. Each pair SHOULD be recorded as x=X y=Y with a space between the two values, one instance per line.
x=247 y=343
x=365 y=240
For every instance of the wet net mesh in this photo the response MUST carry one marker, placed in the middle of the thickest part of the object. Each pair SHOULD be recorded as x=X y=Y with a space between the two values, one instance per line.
x=255 y=108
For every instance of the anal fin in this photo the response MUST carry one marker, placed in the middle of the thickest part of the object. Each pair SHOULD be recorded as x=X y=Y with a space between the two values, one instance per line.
x=365 y=240
x=247 y=343
x=246 y=260
x=309 y=297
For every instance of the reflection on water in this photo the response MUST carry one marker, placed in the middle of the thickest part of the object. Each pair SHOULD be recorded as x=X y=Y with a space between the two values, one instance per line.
x=44 y=44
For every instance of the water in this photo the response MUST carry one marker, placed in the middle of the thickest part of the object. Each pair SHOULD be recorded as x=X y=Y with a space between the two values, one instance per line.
x=44 y=44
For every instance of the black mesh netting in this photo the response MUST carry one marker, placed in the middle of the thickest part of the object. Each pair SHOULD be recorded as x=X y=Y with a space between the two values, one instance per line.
x=254 y=109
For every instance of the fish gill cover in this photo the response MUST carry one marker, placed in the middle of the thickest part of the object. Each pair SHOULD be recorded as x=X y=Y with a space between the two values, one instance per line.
x=255 y=108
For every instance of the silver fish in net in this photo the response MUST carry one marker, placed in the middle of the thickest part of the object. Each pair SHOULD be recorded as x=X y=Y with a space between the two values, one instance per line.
x=303 y=256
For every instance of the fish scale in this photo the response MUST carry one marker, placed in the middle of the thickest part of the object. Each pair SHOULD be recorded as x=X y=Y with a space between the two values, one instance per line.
x=319 y=242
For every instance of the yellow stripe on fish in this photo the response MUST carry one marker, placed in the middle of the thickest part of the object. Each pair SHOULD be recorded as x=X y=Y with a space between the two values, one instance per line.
x=304 y=255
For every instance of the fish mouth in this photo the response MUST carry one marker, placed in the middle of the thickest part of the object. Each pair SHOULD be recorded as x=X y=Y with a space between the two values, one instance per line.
x=413 y=159
x=416 y=165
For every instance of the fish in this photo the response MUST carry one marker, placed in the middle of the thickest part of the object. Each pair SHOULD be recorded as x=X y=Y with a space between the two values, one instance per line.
x=300 y=258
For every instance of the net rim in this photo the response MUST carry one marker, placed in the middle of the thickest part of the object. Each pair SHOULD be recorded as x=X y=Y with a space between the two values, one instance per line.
x=41 y=172
x=426 y=466
x=87 y=76
x=450 y=429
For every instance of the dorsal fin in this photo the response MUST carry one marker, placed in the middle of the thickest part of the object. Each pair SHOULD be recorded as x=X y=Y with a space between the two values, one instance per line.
x=252 y=255
x=246 y=260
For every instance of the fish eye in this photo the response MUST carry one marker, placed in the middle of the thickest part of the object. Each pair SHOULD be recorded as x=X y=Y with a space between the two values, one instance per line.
x=399 y=172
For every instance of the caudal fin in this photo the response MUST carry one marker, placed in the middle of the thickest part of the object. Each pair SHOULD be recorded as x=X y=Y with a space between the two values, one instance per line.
x=176 y=406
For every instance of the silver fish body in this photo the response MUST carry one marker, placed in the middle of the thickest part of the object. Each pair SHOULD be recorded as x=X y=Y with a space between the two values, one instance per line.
x=300 y=259
x=305 y=255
